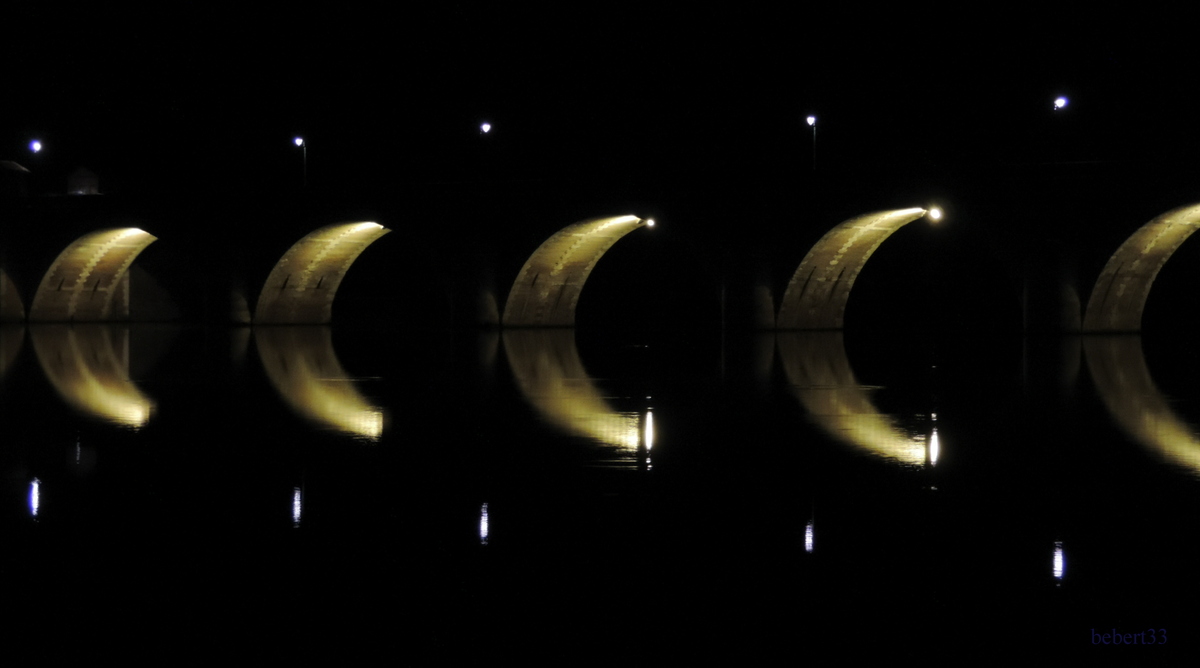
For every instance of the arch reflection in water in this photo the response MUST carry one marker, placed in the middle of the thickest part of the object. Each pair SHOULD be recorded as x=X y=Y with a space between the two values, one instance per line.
x=551 y=376
x=11 y=338
x=816 y=295
x=11 y=307
x=548 y=286
x=819 y=372
x=88 y=280
x=88 y=365
x=1120 y=293
x=302 y=285
x=1118 y=368
x=301 y=365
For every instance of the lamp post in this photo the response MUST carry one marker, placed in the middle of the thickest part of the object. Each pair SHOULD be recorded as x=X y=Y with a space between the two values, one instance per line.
x=299 y=141
x=812 y=122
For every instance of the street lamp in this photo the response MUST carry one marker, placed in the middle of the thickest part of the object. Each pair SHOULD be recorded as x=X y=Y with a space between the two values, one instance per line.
x=299 y=141
x=812 y=122
x=35 y=146
x=1060 y=103
x=485 y=128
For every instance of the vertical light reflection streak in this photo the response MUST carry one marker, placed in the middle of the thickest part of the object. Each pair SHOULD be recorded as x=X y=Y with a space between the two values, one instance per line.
x=649 y=433
x=1059 y=561
x=34 y=496
x=297 y=507
x=648 y=436
x=808 y=537
x=483 y=524
x=934 y=446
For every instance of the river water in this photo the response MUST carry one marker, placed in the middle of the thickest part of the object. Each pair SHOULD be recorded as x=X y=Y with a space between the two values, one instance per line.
x=592 y=496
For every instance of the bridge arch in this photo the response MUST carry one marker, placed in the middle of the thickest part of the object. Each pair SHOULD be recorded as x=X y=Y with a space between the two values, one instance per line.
x=301 y=287
x=1120 y=293
x=88 y=280
x=548 y=286
x=817 y=293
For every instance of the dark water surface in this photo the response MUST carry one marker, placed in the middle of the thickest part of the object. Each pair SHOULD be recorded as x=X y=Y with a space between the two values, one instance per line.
x=558 y=496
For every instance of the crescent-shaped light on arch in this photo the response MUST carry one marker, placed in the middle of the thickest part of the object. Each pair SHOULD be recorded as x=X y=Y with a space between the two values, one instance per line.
x=548 y=286
x=1120 y=293
x=301 y=287
x=816 y=295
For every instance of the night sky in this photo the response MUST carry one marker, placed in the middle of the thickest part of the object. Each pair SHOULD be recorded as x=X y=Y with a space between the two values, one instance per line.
x=148 y=97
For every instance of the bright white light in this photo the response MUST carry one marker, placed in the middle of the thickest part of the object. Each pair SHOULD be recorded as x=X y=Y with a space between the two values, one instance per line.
x=35 y=146
x=297 y=499
x=649 y=435
x=299 y=141
x=1059 y=561
x=485 y=128
x=812 y=120
x=649 y=222
x=34 y=496
x=934 y=447
x=808 y=537
x=483 y=525
x=1060 y=102
x=935 y=214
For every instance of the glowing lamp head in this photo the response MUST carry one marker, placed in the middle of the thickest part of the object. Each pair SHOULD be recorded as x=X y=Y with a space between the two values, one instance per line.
x=1060 y=103
x=812 y=120
x=298 y=141
x=935 y=214
x=35 y=146
x=485 y=128
x=649 y=222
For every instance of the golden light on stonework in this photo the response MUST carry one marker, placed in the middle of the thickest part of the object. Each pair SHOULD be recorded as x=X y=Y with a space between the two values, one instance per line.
x=548 y=286
x=818 y=291
x=87 y=282
x=301 y=287
x=1121 y=290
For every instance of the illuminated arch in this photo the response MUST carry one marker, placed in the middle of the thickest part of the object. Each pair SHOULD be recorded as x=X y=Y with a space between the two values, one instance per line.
x=551 y=376
x=88 y=280
x=547 y=289
x=301 y=287
x=817 y=294
x=819 y=373
x=1120 y=293
x=302 y=366
x=1118 y=367
x=11 y=308
x=88 y=365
